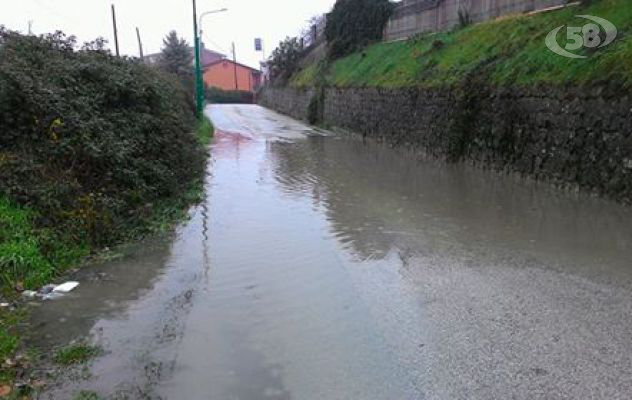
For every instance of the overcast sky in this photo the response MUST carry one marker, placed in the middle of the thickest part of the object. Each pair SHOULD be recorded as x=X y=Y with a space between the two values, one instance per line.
x=271 y=20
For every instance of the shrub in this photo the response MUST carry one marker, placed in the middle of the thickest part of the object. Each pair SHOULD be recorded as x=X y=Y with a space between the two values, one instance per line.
x=90 y=141
x=353 y=24
x=284 y=60
x=219 y=96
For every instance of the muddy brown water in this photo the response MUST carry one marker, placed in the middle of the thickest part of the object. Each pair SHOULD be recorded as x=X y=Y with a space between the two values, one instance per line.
x=325 y=267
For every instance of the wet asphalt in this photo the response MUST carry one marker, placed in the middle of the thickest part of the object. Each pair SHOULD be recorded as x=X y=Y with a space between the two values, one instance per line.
x=322 y=266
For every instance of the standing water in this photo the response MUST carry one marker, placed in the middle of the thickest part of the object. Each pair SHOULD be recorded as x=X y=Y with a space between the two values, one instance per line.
x=326 y=267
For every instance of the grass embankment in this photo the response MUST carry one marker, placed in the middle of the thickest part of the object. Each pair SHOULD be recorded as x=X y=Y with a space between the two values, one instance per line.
x=205 y=131
x=509 y=52
x=30 y=257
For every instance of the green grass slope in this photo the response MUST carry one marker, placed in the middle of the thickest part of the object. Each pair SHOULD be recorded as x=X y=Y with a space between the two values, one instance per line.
x=509 y=51
x=30 y=256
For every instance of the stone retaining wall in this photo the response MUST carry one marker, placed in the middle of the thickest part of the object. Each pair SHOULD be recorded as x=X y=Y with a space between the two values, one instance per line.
x=572 y=136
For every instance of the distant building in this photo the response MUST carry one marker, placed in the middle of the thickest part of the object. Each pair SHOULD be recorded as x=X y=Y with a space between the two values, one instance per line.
x=227 y=75
x=219 y=71
x=208 y=57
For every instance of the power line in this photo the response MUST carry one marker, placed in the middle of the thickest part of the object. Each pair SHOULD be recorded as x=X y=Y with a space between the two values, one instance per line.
x=54 y=11
x=208 y=39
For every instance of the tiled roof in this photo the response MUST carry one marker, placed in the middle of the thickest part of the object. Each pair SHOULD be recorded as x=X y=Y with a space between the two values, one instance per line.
x=208 y=57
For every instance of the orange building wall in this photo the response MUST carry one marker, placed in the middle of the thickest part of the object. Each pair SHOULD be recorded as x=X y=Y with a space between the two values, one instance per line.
x=222 y=75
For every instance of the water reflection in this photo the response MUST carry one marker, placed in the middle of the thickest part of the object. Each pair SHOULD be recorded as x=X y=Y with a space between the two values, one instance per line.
x=378 y=200
x=323 y=267
x=106 y=289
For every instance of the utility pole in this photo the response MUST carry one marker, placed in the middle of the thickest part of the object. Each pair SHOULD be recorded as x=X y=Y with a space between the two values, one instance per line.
x=235 y=66
x=116 y=43
x=140 y=44
x=263 y=49
x=199 y=85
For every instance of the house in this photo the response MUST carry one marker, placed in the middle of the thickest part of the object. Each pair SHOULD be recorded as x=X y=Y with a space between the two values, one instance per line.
x=228 y=75
x=208 y=57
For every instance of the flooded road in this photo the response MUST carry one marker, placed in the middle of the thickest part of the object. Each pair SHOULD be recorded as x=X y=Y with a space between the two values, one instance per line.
x=324 y=267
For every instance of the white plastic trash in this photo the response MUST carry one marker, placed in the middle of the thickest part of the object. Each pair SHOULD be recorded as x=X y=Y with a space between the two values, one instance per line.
x=65 y=287
x=52 y=296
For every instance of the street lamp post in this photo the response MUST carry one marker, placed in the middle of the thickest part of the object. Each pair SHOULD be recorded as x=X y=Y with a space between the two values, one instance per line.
x=204 y=14
x=199 y=83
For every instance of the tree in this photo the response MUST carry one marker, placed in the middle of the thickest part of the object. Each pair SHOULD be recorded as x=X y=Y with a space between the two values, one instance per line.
x=177 y=59
x=176 y=55
x=313 y=29
x=353 y=24
x=284 y=59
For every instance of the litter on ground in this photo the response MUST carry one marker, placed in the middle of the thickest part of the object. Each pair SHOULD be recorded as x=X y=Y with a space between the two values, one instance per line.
x=66 y=287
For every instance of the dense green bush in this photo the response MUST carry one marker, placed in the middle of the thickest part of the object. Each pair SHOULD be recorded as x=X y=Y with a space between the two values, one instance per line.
x=89 y=141
x=284 y=60
x=219 y=96
x=353 y=24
